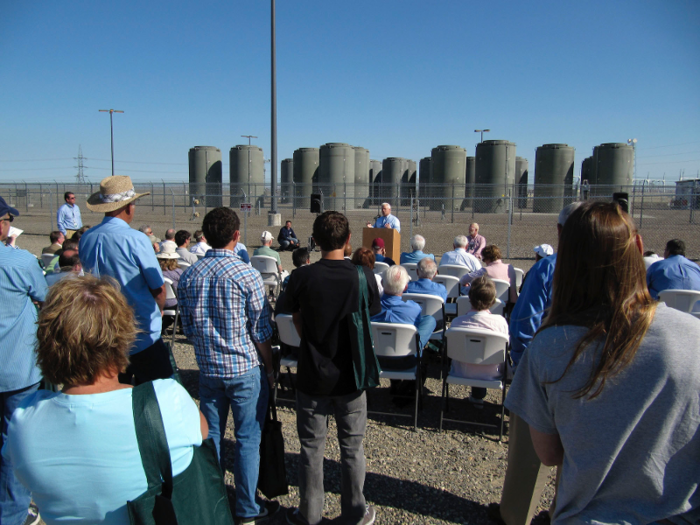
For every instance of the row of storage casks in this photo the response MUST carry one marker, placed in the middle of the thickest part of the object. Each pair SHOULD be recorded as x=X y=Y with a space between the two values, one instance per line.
x=349 y=179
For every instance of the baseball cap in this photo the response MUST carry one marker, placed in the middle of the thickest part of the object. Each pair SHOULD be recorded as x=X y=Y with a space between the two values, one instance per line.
x=6 y=208
x=544 y=250
x=378 y=243
x=266 y=236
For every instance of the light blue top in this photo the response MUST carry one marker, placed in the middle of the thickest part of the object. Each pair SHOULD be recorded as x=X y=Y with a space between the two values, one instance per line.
x=460 y=257
x=426 y=286
x=395 y=310
x=113 y=248
x=242 y=252
x=674 y=273
x=535 y=298
x=68 y=218
x=78 y=454
x=391 y=220
x=21 y=282
x=415 y=257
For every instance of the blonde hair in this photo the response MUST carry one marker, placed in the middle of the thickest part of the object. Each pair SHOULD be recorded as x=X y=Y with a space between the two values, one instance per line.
x=85 y=328
x=168 y=264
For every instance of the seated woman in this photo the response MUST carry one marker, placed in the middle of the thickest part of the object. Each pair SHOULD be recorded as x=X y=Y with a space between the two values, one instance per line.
x=609 y=384
x=482 y=296
x=167 y=258
x=76 y=450
x=365 y=257
x=496 y=269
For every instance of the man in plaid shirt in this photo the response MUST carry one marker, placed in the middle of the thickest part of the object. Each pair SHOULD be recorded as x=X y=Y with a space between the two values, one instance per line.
x=226 y=316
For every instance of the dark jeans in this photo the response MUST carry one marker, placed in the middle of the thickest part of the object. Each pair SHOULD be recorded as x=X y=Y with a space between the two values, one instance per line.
x=147 y=365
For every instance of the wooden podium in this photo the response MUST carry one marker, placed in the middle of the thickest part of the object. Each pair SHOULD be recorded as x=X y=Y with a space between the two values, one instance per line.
x=391 y=238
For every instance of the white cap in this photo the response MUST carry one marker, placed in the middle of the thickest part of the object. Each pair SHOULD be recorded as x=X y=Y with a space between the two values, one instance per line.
x=544 y=250
x=266 y=236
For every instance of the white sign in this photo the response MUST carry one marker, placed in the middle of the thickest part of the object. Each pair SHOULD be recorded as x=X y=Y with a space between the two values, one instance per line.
x=246 y=206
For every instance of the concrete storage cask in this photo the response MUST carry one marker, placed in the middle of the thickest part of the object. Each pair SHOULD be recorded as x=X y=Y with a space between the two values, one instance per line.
x=449 y=177
x=614 y=167
x=393 y=170
x=336 y=176
x=495 y=175
x=247 y=174
x=305 y=172
x=361 y=177
x=521 y=180
x=286 y=180
x=205 y=175
x=375 y=179
x=409 y=182
x=424 y=178
x=554 y=170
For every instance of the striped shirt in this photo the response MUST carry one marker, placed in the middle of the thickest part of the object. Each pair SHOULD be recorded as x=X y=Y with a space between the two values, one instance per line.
x=224 y=313
x=21 y=282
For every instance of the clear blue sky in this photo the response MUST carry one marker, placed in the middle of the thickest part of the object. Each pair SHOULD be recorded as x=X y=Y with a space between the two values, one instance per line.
x=397 y=77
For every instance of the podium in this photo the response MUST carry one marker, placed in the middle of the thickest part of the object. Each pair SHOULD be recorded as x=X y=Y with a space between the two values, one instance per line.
x=391 y=238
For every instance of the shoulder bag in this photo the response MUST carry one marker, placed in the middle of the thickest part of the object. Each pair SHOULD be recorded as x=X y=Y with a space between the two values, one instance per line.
x=364 y=359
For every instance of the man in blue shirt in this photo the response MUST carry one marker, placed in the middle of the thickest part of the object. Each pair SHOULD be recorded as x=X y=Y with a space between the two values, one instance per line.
x=673 y=272
x=21 y=284
x=287 y=238
x=113 y=248
x=386 y=220
x=417 y=245
x=68 y=216
x=227 y=318
x=426 y=270
x=379 y=249
x=459 y=256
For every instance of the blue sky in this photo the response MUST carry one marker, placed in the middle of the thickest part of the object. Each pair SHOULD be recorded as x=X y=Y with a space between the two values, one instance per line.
x=396 y=77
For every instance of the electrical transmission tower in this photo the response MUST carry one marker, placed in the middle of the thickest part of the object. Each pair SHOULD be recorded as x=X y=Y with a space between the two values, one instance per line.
x=80 y=177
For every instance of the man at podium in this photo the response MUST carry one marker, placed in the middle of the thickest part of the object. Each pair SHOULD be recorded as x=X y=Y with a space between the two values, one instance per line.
x=387 y=220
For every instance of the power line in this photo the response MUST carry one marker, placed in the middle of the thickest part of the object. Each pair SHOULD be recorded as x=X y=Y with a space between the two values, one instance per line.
x=667 y=155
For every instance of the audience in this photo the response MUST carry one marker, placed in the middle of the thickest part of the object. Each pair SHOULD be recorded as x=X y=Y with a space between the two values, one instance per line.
x=380 y=252
x=496 y=269
x=459 y=255
x=674 y=272
x=482 y=296
x=68 y=244
x=148 y=231
x=475 y=242
x=167 y=258
x=426 y=270
x=365 y=257
x=609 y=385
x=76 y=450
x=68 y=265
x=57 y=239
x=169 y=239
x=417 y=245
x=182 y=239
x=201 y=247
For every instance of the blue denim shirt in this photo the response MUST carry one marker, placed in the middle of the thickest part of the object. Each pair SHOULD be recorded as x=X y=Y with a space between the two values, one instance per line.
x=428 y=287
x=395 y=310
x=391 y=220
x=674 y=273
x=415 y=257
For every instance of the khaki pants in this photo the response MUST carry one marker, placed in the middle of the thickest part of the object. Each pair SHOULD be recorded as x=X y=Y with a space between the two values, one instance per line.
x=526 y=476
x=70 y=233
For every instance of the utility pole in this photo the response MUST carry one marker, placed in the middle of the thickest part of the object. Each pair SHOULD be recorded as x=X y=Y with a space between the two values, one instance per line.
x=80 y=177
x=111 y=131
x=482 y=131
x=249 y=137
x=273 y=219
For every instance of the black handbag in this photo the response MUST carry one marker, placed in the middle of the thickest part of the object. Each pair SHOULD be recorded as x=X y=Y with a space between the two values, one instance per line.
x=272 y=477
x=364 y=359
x=195 y=496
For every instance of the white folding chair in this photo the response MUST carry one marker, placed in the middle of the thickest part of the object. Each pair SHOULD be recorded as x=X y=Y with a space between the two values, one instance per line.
x=464 y=305
x=267 y=266
x=502 y=290
x=477 y=347
x=451 y=284
x=412 y=269
x=455 y=270
x=171 y=312
x=398 y=340
x=683 y=300
x=380 y=267
x=519 y=276
x=290 y=337
x=46 y=258
x=183 y=264
x=430 y=305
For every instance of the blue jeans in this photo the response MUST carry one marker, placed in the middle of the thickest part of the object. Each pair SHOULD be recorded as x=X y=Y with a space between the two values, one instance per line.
x=426 y=327
x=14 y=498
x=247 y=396
x=285 y=243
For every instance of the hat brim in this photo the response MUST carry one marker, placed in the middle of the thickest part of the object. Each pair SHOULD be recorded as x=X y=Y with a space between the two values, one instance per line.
x=167 y=256
x=94 y=203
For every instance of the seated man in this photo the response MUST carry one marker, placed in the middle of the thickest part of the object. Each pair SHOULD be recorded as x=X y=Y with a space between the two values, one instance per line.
x=68 y=244
x=394 y=310
x=426 y=271
x=201 y=247
x=674 y=272
x=266 y=249
x=379 y=250
x=459 y=255
x=68 y=264
x=475 y=242
x=169 y=240
x=182 y=239
x=287 y=238
x=386 y=220
x=482 y=296
x=57 y=239
x=417 y=245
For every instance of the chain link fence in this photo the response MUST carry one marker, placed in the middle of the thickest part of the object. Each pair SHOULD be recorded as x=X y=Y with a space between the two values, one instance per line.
x=515 y=217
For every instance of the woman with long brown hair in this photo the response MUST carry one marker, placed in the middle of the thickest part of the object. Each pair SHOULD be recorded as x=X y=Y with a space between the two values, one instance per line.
x=609 y=385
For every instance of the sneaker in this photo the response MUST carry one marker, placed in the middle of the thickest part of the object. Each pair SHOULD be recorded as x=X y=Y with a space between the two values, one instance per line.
x=33 y=516
x=370 y=515
x=270 y=508
x=478 y=403
x=294 y=517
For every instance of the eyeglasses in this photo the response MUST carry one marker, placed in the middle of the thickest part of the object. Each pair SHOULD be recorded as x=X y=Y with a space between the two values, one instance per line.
x=8 y=219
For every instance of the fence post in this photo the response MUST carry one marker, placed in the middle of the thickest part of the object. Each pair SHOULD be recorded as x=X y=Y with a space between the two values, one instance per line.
x=165 y=211
x=641 y=207
x=26 y=196
x=294 y=200
x=452 y=204
x=41 y=197
x=153 y=204
x=173 y=202
x=411 y=217
x=51 y=215
x=510 y=223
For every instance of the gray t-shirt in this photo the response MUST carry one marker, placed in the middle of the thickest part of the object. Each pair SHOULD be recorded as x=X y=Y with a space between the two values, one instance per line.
x=632 y=454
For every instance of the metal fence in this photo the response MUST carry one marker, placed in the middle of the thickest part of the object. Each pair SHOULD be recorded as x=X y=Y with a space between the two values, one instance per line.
x=516 y=218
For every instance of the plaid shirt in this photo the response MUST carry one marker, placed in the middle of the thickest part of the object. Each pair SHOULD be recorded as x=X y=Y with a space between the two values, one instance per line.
x=224 y=312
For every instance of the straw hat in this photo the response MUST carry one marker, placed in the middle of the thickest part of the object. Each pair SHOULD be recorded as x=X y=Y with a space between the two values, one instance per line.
x=167 y=251
x=115 y=192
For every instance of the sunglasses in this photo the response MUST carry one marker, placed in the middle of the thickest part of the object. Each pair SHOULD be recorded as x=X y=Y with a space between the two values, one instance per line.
x=8 y=219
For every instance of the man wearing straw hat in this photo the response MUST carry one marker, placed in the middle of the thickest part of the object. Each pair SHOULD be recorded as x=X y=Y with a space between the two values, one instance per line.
x=113 y=248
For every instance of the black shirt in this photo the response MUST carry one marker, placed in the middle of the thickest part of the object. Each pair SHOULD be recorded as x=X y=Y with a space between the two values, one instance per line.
x=326 y=293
